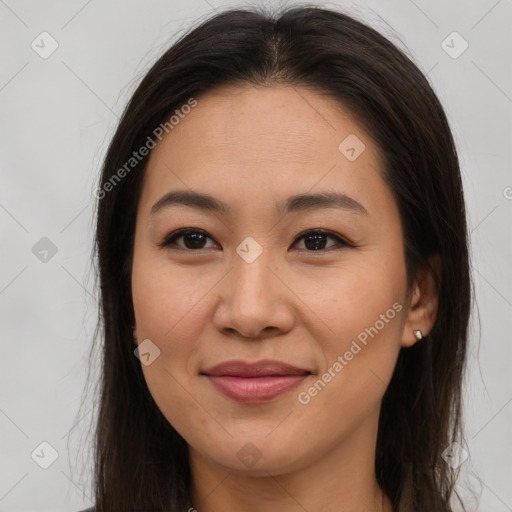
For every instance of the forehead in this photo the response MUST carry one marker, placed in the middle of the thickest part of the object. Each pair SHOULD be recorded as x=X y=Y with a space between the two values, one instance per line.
x=290 y=121
x=248 y=142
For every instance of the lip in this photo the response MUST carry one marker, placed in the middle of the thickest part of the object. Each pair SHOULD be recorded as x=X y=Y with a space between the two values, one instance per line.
x=255 y=382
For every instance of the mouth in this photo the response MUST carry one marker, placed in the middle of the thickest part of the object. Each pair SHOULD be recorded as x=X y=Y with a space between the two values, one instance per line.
x=254 y=382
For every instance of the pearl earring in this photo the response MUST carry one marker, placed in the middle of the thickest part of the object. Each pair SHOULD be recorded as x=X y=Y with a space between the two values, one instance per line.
x=418 y=334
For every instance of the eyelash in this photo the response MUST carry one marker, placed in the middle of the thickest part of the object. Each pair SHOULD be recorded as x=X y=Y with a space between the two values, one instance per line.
x=169 y=241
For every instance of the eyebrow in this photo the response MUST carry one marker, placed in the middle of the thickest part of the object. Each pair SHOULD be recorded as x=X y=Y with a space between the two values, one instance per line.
x=299 y=202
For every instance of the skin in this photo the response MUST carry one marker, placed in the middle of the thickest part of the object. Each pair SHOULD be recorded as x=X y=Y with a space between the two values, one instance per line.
x=251 y=147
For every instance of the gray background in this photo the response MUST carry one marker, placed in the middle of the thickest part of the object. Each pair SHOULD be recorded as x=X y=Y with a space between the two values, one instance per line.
x=56 y=118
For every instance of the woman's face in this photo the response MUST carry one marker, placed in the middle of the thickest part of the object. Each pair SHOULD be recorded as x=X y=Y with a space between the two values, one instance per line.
x=248 y=285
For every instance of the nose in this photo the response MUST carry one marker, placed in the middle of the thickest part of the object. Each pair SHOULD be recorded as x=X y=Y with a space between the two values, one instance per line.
x=253 y=301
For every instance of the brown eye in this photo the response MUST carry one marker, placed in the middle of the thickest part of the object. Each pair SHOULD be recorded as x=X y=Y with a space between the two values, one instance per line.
x=315 y=240
x=196 y=239
x=193 y=239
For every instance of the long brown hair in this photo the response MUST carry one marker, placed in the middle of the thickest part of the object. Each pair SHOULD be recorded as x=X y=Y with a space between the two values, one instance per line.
x=140 y=461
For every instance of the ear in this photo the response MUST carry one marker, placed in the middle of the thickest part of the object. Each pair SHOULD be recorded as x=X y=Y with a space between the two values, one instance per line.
x=422 y=312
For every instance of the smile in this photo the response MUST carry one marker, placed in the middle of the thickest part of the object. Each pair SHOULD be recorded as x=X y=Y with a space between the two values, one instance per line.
x=255 y=382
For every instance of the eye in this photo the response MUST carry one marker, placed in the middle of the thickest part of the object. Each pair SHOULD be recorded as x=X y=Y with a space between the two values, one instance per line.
x=314 y=240
x=192 y=238
x=195 y=239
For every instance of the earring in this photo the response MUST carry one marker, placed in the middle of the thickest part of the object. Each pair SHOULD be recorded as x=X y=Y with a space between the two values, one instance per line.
x=418 y=334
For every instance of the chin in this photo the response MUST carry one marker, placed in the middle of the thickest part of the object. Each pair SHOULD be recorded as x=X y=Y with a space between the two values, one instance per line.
x=258 y=457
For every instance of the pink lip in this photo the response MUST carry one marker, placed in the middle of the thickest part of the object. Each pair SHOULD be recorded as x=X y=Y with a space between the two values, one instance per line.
x=255 y=382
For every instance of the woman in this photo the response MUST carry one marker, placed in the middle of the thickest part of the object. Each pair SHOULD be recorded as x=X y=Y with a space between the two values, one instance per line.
x=285 y=290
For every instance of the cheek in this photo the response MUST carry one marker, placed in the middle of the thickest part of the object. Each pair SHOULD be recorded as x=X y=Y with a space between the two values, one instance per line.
x=362 y=310
x=350 y=301
x=169 y=311
x=167 y=300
